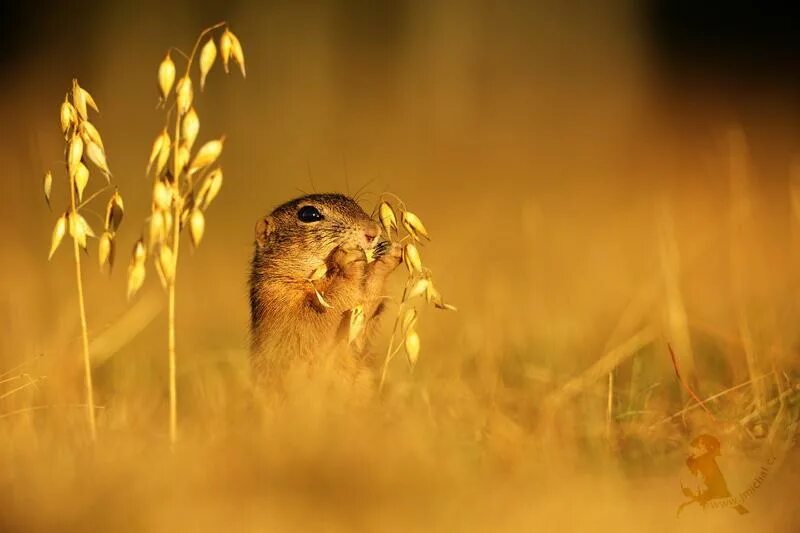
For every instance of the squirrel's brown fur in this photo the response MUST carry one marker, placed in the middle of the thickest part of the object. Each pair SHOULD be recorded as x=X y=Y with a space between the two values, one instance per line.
x=288 y=322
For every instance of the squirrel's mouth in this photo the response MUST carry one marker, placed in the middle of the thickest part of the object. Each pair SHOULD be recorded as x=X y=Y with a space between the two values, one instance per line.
x=376 y=250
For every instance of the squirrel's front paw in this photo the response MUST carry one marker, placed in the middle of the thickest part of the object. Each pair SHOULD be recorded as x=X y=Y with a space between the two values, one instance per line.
x=350 y=263
x=389 y=255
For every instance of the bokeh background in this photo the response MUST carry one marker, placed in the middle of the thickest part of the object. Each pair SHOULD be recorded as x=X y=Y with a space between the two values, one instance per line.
x=600 y=179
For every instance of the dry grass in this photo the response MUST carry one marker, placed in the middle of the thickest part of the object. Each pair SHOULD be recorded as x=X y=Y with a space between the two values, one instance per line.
x=549 y=400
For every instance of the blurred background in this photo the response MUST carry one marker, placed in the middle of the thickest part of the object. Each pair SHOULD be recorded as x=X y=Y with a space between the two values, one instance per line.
x=600 y=179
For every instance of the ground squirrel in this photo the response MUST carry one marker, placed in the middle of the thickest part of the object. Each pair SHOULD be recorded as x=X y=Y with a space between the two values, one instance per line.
x=289 y=322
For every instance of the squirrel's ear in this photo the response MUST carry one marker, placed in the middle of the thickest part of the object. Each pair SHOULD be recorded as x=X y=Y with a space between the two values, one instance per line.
x=264 y=228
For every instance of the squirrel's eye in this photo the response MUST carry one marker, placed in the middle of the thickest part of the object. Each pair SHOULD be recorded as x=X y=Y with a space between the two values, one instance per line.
x=309 y=213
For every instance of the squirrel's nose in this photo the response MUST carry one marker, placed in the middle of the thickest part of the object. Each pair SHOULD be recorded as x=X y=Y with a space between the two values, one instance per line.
x=371 y=233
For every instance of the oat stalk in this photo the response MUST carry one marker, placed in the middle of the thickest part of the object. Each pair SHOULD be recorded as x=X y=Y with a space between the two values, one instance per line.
x=184 y=184
x=87 y=363
x=84 y=146
x=418 y=283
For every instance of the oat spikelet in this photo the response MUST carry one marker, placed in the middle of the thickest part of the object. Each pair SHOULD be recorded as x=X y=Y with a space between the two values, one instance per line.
x=210 y=188
x=79 y=229
x=408 y=320
x=412 y=348
x=190 y=127
x=181 y=160
x=166 y=76
x=115 y=210
x=105 y=250
x=136 y=269
x=184 y=94
x=387 y=218
x=321 y=299
x=81 y=179
x=98 y=157
x=48 y=187
x=411 y=258
x=318 y=273
x=418 y=288
x=162 y=195
x=79 y=100
x=197 y=226
x=68 y=115
x=237 y=53
x=414 y=225
x=207 y=56
x=160 y=152
x=90 y=134
x=59 y=231
x=75 y=154
x=225 y=48
x=166 y=262
x=88 y=99
x=207 y=155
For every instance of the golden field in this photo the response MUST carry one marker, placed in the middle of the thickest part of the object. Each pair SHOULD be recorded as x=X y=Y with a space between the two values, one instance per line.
x=586 y=211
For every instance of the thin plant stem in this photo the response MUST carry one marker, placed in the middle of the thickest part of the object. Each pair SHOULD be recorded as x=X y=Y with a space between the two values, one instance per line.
x=389 y=353
x=176 y=235
x=177 y=207
x=173 y=392
x=87 y=364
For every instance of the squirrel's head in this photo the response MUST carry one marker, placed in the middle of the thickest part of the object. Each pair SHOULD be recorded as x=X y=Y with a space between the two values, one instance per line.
x=303 y=232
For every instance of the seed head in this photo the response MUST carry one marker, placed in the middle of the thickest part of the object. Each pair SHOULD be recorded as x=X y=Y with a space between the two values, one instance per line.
x=411 y=258
x=318 y=273
x=115 y=210
x=79 y=99
x=160 y=152
x=90 y=134
x=321 y=299
x=209 y=188
x=136 y=275
x=190 y=127
x=237 y=53
x=166 y=263
x=106 y=250
x=414 y=225
x=139 y=252
x=79 y=229
x=412 y=347
x=184 y=94
x=207 y=56
x=166 y=76
x=157 y=229
x=162 y=195
x=181 y=160
x=206 y=155
x=197 y=226
x=409 y=319
x=69 y=116
x=388 y=220
x=81 y=179
x=225 y=48
x=88 y=99
x=98 y=157
x=58 y=234
x=419 y=287
x=48 y=187
x=74 y=154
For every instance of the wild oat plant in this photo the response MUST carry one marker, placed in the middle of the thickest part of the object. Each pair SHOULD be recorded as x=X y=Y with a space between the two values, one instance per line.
x=418 y=283
x=185 y=182
x=84 y=145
